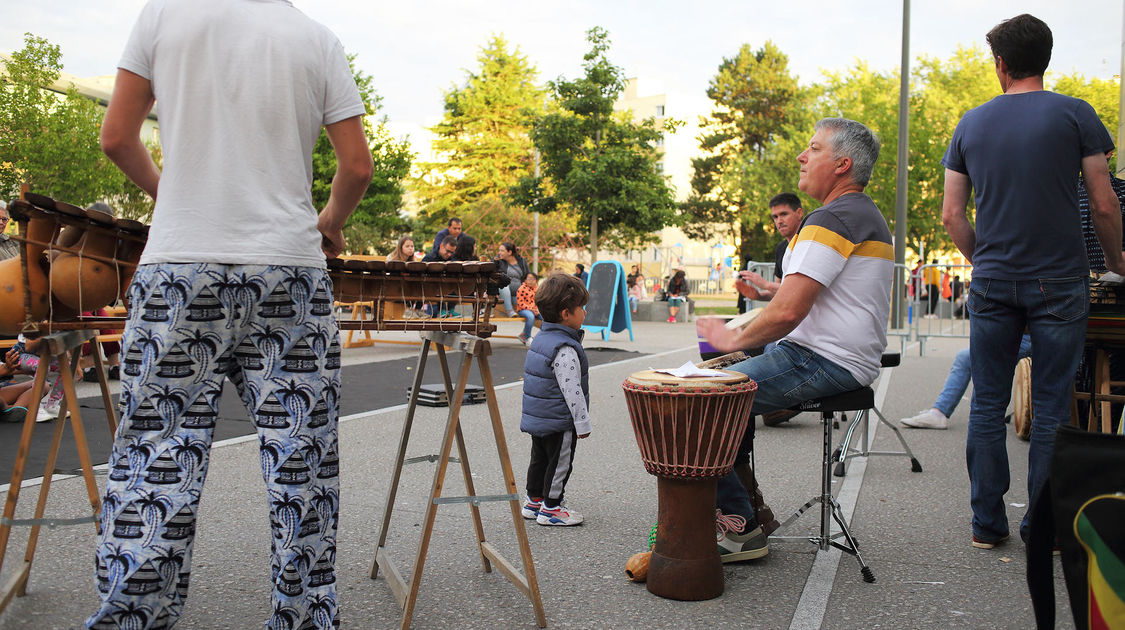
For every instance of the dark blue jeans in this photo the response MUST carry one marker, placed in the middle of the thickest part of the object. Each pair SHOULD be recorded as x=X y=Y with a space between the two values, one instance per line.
x=1054 y=311
x=787 y=375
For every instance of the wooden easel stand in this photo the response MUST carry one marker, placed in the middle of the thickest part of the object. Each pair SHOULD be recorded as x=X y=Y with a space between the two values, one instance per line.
x=407 y=594
x=61 y=346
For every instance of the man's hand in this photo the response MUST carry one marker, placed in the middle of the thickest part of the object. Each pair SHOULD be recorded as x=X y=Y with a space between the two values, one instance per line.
x=584 y=435
x=331 y=236
x=747 y=290
x=753 y=277
x=714 y=330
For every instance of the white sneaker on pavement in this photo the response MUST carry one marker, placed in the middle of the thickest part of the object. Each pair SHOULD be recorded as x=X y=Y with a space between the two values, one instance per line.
x=47 y=412
x=928 y=419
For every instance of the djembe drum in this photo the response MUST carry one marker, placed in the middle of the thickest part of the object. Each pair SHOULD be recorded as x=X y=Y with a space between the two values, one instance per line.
x=688 y=431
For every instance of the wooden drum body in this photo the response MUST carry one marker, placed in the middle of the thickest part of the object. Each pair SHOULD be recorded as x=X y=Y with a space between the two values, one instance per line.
x=688 y=432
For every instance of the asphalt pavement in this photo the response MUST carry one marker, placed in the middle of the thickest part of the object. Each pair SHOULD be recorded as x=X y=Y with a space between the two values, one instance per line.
x=913 y=528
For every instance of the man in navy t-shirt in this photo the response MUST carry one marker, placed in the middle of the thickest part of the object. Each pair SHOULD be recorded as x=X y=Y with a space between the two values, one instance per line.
x=1019 y=154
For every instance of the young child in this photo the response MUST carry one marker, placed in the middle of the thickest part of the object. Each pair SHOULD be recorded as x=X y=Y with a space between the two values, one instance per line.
x=556 y=396
x=525 y=305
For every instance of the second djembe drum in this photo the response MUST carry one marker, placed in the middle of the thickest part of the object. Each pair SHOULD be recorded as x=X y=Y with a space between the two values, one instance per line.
x=688 y=431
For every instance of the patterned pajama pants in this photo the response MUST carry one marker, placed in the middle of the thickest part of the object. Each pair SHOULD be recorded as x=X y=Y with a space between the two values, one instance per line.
x=271 y=331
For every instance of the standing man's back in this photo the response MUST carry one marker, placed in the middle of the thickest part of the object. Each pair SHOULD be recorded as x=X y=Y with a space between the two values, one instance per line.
x=243 y=90
x=1019 y=154
x=236 y=259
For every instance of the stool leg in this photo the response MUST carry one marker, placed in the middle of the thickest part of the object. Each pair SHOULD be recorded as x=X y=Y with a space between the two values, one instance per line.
x=826 y=482
x=852 y=546
x=846 y=444
x=915 y=465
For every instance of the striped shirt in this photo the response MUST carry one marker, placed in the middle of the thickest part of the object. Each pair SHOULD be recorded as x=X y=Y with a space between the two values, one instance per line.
x=846 y=247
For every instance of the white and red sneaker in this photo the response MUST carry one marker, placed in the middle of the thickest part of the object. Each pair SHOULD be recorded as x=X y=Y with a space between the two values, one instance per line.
x=560 y=515
x=531 y=508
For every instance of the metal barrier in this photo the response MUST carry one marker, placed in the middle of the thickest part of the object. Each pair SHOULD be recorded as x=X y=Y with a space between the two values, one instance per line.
x=936 y=302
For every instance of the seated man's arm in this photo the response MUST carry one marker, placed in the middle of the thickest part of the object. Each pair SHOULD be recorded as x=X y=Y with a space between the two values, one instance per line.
x=954 y=206
x=765 y=289
x=785 y=311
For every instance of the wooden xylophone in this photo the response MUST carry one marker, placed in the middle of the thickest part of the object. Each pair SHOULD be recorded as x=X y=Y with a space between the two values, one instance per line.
x=71 y=260
x=442 y=285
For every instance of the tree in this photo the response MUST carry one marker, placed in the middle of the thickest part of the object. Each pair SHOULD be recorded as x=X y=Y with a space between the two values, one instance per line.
x=483 y=136
x=47 y=141
x=598 y=163
x=945 y=91
x=1102 y=94
x=748 y=144
x=376 y=221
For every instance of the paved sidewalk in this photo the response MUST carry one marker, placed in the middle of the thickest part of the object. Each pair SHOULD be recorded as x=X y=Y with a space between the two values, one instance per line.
x=912 y=528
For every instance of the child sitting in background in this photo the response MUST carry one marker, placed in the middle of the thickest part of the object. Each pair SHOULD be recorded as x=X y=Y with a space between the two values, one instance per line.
x=525 y=305
x=556 y=398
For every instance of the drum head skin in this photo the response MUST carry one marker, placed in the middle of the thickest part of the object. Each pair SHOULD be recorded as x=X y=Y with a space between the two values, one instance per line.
x=651 y=377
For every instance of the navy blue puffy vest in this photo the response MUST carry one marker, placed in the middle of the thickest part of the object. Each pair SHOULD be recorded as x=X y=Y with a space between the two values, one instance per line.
x=544 y=409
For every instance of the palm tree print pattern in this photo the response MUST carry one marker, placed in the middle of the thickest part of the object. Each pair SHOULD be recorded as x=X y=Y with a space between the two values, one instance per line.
x=190 y=327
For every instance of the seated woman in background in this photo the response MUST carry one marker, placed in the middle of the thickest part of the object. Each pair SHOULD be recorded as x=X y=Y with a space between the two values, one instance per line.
x=509 y=263
x=466 y=249
x=636 y=289
x=677 y=293
x=404 y=250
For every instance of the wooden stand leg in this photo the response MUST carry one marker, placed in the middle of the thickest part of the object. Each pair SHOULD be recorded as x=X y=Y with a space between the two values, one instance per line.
x=1104 y=388
x=107 y=400
x=463 y=453
x=435 y=491
x=528 y=583
x=12 y=585
x=396 y=471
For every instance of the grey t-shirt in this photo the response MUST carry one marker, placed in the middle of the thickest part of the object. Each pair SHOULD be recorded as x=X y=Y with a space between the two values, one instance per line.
x=1023 y=153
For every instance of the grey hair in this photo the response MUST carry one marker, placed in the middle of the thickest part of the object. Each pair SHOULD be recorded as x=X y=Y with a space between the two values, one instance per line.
x=855 y=141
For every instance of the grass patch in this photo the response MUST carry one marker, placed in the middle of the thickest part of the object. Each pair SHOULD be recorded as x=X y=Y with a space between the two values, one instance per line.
x=716 y=310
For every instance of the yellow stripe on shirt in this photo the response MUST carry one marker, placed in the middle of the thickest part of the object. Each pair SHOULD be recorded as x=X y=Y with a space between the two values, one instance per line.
x=842 y=246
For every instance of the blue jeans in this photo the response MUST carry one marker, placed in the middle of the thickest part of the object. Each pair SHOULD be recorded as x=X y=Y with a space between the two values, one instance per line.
x=961 y=374
x=787 y=375
x=633 y=303
x=529 y=321
x=1054 y=310
x=506 y=296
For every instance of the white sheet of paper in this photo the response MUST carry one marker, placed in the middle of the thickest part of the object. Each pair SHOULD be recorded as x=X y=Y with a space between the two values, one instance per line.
x=689 y=370
x=1112 y=278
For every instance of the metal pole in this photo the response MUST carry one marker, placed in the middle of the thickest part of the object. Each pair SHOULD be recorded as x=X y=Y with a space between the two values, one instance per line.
x=535 y=234
x=897 y=311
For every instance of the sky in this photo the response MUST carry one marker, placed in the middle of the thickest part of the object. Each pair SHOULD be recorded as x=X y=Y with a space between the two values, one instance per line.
x=418 y=49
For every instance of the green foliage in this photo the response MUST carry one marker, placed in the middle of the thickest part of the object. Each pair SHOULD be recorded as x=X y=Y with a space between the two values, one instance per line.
x=483 y=136
x=749 y=144
x=1103 y=94
x=48 y=141
x=376 y=222
x=485 y=144
x=597 y=163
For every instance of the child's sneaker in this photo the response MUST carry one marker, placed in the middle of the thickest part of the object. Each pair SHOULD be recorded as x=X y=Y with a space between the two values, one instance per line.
x=531 y=508
x=559 y=515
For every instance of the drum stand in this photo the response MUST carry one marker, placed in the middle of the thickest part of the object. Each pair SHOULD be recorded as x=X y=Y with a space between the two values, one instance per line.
x=65 y=348
x=406 y=595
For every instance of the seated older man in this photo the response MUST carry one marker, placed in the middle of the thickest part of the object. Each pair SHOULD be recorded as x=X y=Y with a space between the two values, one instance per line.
x=830 y=313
